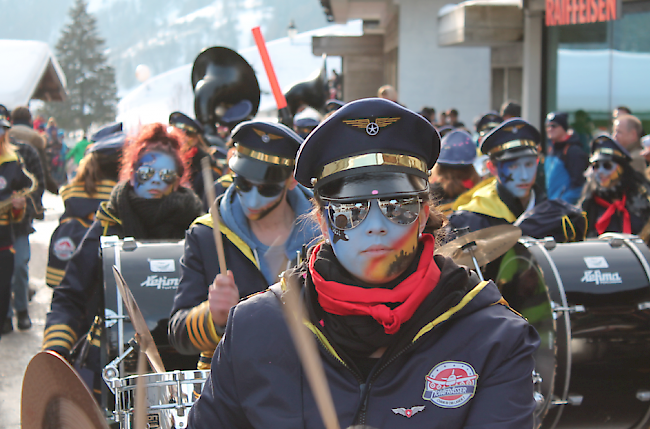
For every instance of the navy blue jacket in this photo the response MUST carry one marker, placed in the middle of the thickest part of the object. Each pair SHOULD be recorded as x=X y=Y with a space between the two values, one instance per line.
x=34 y=208
x=257 y=380
x=12 y=179
x=77 y=217
x=564 y=168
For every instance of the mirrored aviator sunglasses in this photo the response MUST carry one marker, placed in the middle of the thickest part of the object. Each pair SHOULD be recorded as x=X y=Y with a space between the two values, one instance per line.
x=400 y=211
x=606 y=165
x=145 y=173
x=264 y=189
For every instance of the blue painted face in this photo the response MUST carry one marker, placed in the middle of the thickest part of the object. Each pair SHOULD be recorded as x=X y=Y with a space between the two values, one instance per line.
x=377 y=250
x=154 y=186
x=257 y=206
x=518 y=175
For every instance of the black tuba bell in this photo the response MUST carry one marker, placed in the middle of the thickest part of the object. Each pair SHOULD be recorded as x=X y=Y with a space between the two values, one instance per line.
x=226 y=90
x=312 y=92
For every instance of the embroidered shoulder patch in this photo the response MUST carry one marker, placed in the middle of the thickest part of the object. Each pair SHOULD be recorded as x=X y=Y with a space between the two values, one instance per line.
x=64 y=248
x=450 y=384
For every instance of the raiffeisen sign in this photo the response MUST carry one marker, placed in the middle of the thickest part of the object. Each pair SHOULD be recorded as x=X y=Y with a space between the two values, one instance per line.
x=568 y=12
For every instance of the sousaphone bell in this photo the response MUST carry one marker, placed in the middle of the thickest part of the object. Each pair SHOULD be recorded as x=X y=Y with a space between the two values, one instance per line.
x=312 y=92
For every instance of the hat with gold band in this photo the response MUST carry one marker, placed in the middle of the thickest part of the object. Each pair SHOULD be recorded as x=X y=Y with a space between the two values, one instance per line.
x=511 y=139
x=4 y=117
x=605 y=147
x=488 y=122
x=265 y=151
x=367 y=136
x=185 y=123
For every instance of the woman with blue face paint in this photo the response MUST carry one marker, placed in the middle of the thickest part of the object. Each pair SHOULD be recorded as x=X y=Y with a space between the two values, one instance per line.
x=149 y=202
x=408 y=338
x=616 y=197
x=513 y=161
x=264 y=227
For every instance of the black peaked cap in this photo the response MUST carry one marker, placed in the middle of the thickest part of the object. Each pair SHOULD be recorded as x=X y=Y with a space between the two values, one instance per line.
x=514 y=138
x=106 y=130
x=367 y=135
x=185 y=123
x=266 y=151
x=488 y=121
x=605 y=147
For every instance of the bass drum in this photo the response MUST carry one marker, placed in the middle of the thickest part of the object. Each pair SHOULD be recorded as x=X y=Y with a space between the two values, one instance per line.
x=152 y=271
x=590 y=303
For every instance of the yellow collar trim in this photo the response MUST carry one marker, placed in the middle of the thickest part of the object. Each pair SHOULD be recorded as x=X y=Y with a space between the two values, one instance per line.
x=453 y=310
x=486 y=201
x=8 y=155
x=206 y=220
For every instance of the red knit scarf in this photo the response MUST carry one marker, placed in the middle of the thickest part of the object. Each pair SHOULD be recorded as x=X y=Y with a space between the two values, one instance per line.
x=617 y=206
x=346 y=300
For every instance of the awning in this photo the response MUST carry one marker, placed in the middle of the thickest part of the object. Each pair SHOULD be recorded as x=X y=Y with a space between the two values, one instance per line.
x=29 y=70
x=481 y=23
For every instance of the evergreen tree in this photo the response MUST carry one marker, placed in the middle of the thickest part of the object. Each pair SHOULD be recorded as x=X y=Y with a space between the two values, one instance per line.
x=92 y=93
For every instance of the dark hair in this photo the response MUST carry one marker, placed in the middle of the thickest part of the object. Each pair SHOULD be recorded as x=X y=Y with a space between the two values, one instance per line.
x=95 y=167
x=511 y=108
x=155 y=137
x=625 y=109
x=21 y=115
x=451 y=178
x=427 y=112
x=452 y=112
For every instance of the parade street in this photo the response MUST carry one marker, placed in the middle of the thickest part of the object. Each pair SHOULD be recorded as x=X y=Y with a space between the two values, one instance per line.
x=19 y=347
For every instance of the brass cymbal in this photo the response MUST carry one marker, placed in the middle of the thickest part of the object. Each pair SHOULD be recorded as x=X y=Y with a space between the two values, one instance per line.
x=488 y=244
x=143 y=334
x=54 y=396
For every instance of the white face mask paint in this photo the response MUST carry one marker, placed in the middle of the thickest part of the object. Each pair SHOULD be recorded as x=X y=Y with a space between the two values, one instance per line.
x=377 y=250
x=607 y=173
x=518 y=175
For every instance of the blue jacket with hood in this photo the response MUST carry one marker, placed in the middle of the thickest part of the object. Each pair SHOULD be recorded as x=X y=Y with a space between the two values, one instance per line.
x=191 y=329
x=564 y=168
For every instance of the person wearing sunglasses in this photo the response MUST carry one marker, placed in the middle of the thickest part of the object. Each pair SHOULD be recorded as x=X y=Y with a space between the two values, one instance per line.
x=150 y=202
x=616 y=197
x=406 y=338
x=565 y=161
x=197 y=149
x=264 y=226
x=513 y=161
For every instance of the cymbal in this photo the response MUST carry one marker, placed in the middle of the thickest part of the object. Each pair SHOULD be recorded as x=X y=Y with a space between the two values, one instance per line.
x=54 y=395
x=490 y=243
x=144 y=338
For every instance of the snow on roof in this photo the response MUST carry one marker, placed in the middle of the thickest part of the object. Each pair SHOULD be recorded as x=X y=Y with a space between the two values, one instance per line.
x=28 y=69
x=171 y=91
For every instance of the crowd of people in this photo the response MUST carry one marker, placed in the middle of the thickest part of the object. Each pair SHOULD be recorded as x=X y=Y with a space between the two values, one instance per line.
x=348 y=205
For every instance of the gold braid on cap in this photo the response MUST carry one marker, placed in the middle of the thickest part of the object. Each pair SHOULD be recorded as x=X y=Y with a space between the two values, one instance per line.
x=373 y=159
x=514 y=144
x=265 y=157
x=609 y=151
x=185 y=127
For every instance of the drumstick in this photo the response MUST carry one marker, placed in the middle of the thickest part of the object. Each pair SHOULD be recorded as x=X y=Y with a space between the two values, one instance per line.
x=307 y=350
x=208 y=184
x=140 y=405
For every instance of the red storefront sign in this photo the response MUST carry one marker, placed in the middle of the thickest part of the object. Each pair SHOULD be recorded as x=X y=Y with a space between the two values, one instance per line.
x=566 y=12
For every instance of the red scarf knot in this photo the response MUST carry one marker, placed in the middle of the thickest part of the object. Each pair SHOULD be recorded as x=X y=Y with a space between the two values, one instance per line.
x=468 y=183
x=616 y=206
x=345 y=300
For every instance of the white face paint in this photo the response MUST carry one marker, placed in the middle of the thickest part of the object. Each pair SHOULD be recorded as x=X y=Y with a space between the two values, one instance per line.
x=607 y=173
x=518 y=175
x=377 y=250
x=155 y=186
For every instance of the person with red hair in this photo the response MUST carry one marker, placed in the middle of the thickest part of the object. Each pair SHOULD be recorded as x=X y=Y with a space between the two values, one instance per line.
x=151 y=201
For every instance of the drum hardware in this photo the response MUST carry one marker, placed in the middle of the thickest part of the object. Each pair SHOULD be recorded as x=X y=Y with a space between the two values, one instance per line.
x=537 y=395
x=110 y=373
x=643 y=306
x=575 y=400
x=643 y=395
x=571 y=309
x=470 y=247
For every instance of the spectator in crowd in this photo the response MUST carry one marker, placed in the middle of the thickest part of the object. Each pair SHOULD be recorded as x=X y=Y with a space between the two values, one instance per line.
x=429 y=113
x=22 y=130
x=510 y=109
x=443 y=120
x=74 y=156
x=620 y=111
x=583 y=127
x=615 y=196
x=628 y=131
x=565 y=162
x=304 y=122
x=645 y=142
x=387 y=92
x=21 y=231
x=452 y=119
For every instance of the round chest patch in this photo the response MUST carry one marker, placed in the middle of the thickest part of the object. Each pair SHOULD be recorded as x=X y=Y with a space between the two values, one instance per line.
x=3 y=183
x=450 y=384
x=63 y=248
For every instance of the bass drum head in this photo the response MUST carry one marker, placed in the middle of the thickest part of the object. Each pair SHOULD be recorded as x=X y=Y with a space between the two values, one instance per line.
x=521 y=282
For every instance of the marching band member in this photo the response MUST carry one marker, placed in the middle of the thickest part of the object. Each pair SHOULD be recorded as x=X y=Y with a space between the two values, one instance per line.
x=263 y=227
x=512 y=148
x=454 y=172
x=150 y=202
x=616 y=196
x=13 y=178
x=96 y=177
x=408 y=338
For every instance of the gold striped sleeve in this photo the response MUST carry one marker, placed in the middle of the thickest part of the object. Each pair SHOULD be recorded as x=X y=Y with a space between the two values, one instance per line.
x=59 y=335
x=200 y=327
x=205 y=360
x=54 y=276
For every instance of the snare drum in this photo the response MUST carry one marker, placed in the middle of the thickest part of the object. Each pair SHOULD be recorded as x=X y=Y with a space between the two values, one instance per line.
x=590 y=303
x=152 y=272
x=170 y=396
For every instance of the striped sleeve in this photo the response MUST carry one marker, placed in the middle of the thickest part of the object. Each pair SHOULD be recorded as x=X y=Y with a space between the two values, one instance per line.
x=192 y=331
x=59 y=338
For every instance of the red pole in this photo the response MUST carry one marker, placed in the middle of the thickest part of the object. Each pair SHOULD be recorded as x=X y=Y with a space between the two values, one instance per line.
x=268 y=66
